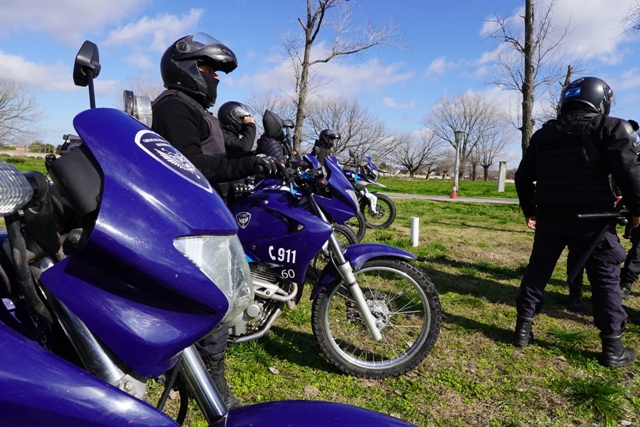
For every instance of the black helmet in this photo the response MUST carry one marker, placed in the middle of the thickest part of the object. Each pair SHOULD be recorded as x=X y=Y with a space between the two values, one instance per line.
x=272 y=124
x=326 y=136
x=592 y=91
x=179 y=64
x=231 y=115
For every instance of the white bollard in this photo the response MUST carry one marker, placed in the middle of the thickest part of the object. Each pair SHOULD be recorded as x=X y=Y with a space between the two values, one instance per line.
x=415 y=228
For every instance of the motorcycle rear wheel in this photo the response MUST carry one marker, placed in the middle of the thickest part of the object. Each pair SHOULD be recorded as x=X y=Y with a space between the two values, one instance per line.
x=383 y=216
x=407 y=310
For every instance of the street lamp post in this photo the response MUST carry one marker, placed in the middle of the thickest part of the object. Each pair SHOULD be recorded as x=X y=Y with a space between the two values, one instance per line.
x=459 y=134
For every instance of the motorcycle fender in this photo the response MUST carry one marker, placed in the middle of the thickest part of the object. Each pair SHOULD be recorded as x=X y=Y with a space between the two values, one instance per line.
x=309 y=414
x=357 y=255
x=38 y=388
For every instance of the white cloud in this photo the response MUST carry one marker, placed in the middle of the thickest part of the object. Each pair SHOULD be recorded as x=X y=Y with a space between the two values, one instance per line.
x=389 y=102
x=44 y=77
x=337 y=78
x=66 y=20
x=154 y=34
x=596 y=32
x=439 y=67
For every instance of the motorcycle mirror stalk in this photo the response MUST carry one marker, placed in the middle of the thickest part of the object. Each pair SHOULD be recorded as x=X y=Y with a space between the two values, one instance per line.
x=86 y=68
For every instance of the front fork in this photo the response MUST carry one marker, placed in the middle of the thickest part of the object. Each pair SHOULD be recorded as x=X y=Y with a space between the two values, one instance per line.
x=372 y=199
x=346 y=271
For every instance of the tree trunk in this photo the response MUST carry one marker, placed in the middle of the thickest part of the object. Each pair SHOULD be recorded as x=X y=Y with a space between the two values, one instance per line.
x=302 y=96
x=528 y=82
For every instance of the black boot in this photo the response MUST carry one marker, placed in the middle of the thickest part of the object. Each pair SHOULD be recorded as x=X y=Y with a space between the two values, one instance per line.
x=625 y=289
x=523 y=333
x=215 y=367
x=614 y=353
x=576 y=301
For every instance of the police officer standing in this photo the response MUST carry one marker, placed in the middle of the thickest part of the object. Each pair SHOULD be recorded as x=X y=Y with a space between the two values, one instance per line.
x=568 y=169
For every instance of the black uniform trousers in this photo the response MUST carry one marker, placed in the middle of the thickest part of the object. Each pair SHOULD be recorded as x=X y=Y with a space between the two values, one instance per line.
x=603 y=269
x=631 y=268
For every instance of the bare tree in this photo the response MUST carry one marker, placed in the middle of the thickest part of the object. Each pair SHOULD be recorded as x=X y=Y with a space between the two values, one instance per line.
x=470 y=112
x=445 y=163
x=490 y=145
x=417 y=152
x=19 y=112
x=145 y=83
x=276 y=102
x=632 y=19
x=359 y=129
x=345 y=39
x=532 y=62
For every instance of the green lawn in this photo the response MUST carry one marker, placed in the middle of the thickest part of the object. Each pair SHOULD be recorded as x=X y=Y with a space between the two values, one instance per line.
x=475 y=254
x=438 y=187
x=24 y=163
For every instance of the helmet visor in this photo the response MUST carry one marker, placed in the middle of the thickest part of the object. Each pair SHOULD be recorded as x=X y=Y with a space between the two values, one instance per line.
x=200 y=40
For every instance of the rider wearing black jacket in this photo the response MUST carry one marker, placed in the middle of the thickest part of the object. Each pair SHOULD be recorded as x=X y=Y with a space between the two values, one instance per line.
x=189 y=70
x=567 y=170
x=272 y=142
x=324 y=144
x=180 y=113
x=238 y=127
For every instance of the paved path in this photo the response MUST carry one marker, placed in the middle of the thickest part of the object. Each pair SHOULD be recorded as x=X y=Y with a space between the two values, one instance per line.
x=458 y=199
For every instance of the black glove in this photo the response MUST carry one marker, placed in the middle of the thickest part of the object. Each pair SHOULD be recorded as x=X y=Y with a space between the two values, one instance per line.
x=264 y=165
x=238 y=191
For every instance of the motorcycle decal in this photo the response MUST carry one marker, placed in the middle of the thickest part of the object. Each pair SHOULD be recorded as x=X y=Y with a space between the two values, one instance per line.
x=159 y=149
x=243 y=219
x=282 y=255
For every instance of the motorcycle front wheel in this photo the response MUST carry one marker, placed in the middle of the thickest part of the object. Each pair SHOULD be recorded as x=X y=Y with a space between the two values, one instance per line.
x=407 y=310
x=384 y=214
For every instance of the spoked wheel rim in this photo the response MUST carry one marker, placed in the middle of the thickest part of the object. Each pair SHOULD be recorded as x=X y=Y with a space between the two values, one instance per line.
x=403 y=316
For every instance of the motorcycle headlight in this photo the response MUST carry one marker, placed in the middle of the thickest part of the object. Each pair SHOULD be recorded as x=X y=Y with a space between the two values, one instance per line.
x=15 y=190
x=221 y=259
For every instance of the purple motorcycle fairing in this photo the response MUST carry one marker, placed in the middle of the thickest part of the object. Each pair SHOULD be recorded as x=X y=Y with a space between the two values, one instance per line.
x=339 y=205
x=42 y=389
x=274 y=229
x=129 y=284
x=357 y=255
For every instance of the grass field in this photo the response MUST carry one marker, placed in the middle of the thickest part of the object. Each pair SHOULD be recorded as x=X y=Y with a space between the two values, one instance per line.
x=475 y=254
x=25 y=164
x=438 y=187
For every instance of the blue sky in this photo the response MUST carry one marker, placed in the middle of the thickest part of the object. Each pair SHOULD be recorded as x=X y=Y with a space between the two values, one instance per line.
x=447 y=51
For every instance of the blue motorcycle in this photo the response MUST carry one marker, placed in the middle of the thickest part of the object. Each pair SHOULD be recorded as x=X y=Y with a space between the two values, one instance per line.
x=378 y=210
x=108 y=278
x=374 y=314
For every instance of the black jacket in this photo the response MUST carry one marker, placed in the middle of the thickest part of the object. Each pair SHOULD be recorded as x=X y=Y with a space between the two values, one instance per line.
x=185 y=127
x=237 y=144
x=271 y=147
x=569 y=166
x=321 y=152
